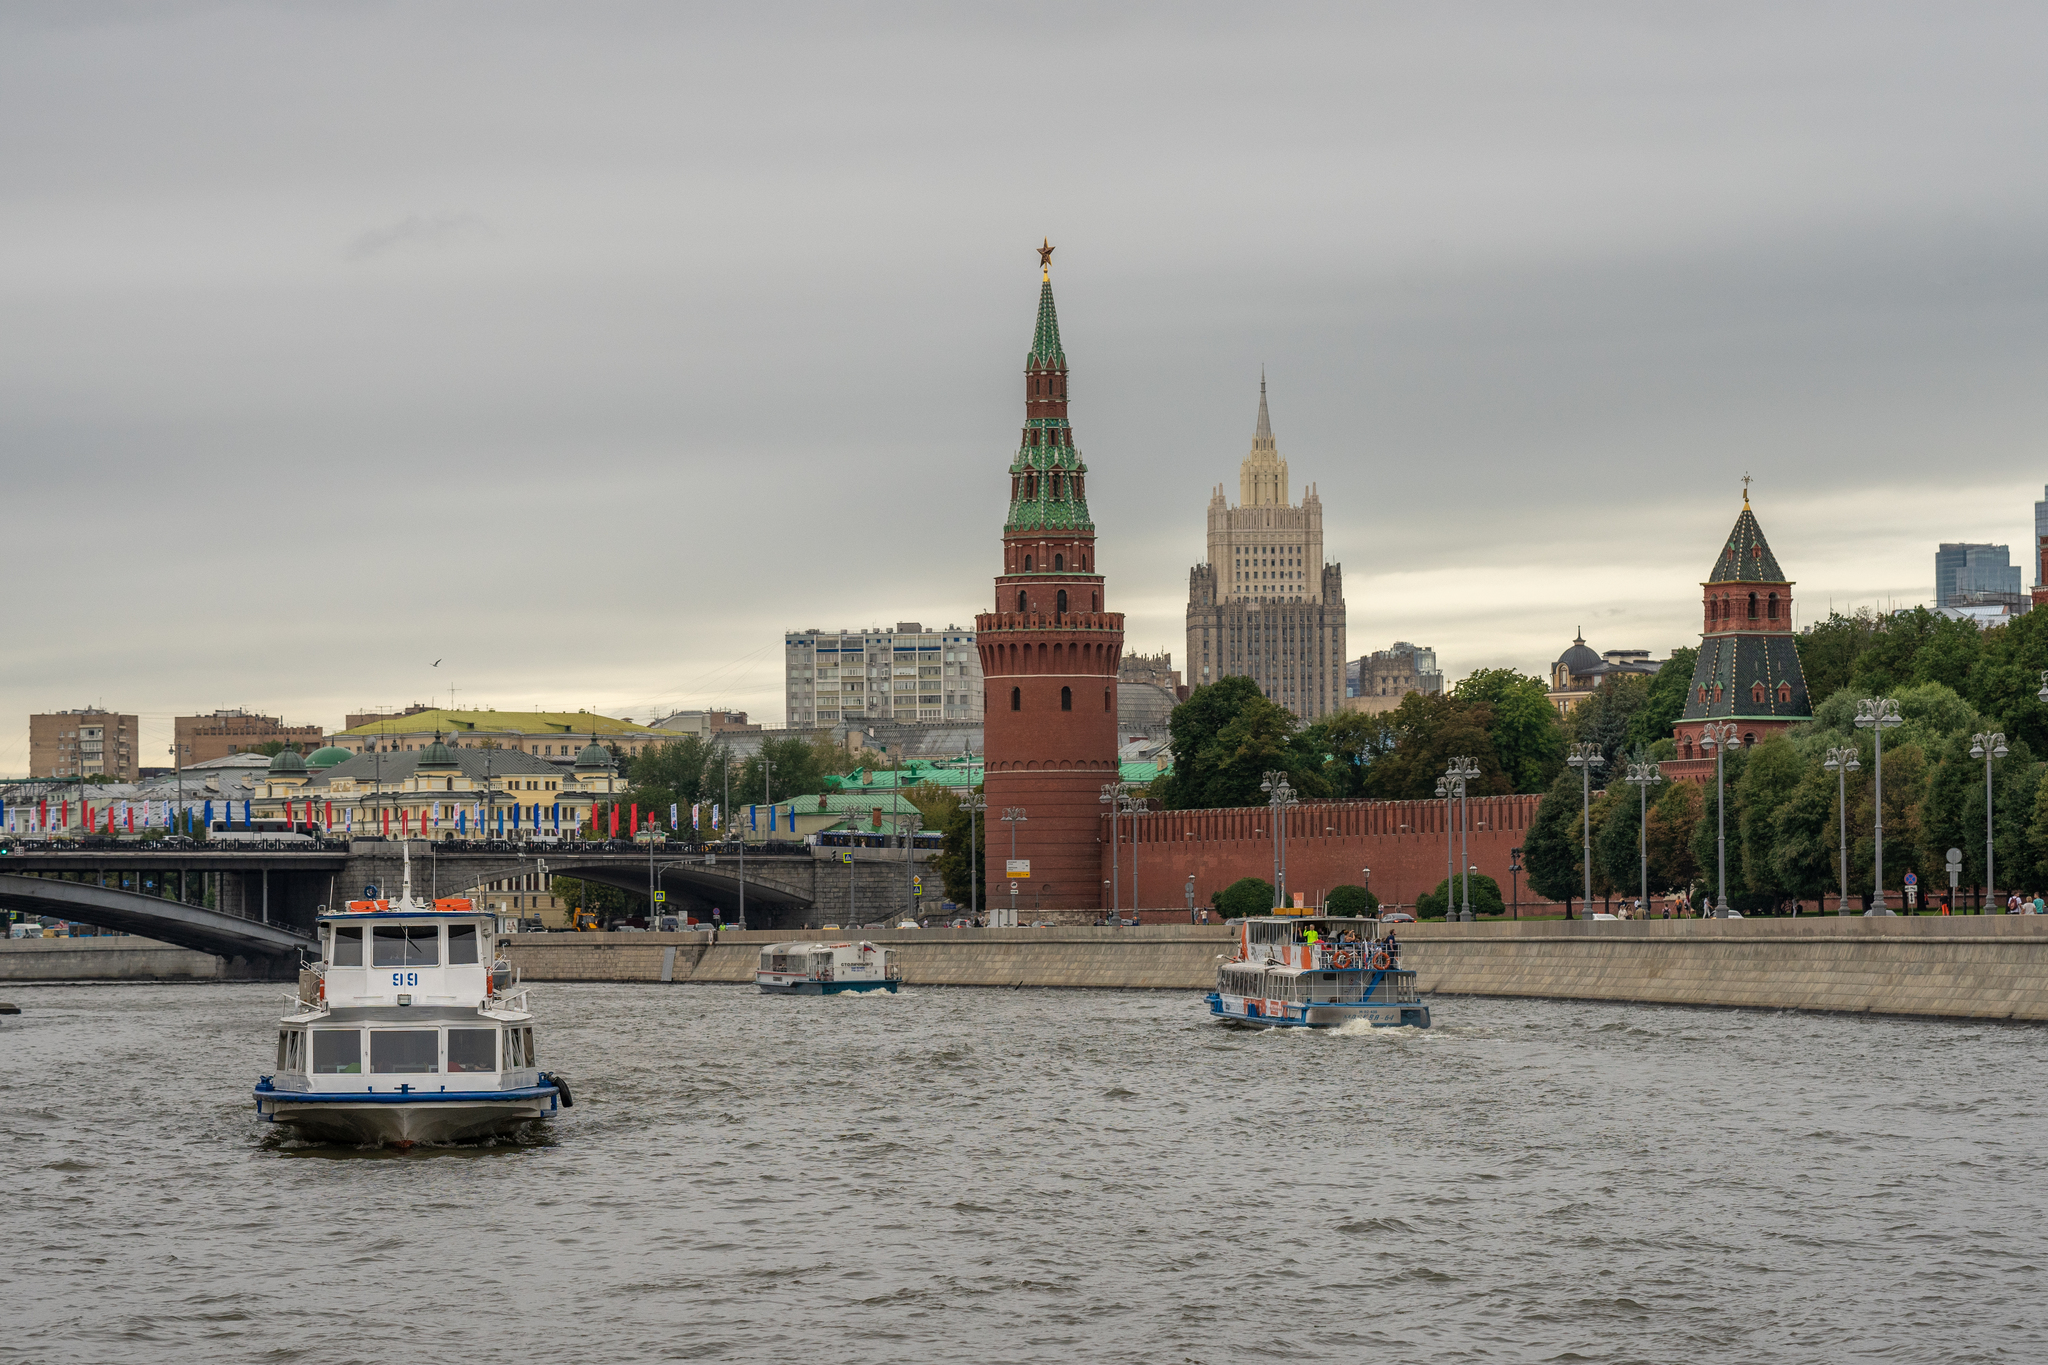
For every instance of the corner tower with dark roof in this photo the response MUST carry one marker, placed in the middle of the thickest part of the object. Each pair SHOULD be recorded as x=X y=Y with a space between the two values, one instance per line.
x=1049 y=654
x=1748 y=670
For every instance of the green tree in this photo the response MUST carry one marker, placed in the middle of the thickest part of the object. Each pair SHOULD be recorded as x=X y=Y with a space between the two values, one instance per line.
x=1486 y=898
x=1604 y=719
x=1674 y=815
x=1664 y=701
x=1828 y=650
x=794 y=766
x=270 y=748
x=1350 y=900
x=1771 y=773
x=1428 y=732
x=1245 y=896
x=1550 y=851
x=1528 y=743
x=1350 y=742
x=1802 y=852
x=1224 y=738
x=1618 y=831
x=609 y=902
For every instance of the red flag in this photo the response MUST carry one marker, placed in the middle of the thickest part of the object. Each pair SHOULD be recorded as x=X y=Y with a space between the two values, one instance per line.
x=287 y=814
x=615 y=820
x=387 y=824
x=329 y=806
x=130 y=813
x=42 y=814
x=405 y=824
x=110 y=817
x=64 y=812
x=634 y=828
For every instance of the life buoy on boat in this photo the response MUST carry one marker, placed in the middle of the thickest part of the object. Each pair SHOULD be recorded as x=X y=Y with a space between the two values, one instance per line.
x=1346 y=959
x=1379 y=959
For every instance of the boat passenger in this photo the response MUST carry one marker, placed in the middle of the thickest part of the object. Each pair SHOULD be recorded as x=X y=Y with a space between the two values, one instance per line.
x=1310 y=935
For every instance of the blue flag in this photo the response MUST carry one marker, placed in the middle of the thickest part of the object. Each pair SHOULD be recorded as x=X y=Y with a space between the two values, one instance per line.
x=771 y=819
x=558 y=816
x=515 y=819
x=247 y=818
x=209 y=815
x=751 y=822
x=462 y=823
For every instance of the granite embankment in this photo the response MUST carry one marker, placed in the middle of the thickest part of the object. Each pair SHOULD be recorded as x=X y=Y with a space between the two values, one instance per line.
x=114 y=957
x=1993 y=967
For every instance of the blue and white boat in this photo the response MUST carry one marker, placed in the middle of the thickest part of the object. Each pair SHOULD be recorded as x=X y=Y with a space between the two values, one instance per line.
x=412 y=1029
x=1315 y=971
x=826 y=968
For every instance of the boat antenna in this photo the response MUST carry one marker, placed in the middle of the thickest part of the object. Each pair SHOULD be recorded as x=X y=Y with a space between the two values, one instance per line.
x=405 y=849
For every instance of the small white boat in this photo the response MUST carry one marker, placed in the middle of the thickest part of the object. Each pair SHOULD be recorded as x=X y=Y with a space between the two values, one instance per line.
x=417 y=1032
x=826 y=968
x=1314 y=971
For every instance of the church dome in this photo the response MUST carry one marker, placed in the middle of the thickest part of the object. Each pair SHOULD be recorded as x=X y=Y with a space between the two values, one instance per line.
x=287 y=761
x=321 y=759
x=594 y=755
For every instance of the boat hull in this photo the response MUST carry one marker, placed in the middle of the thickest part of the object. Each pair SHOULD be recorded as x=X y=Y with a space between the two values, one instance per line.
x=1237 y=1009
x=396 y=1121
x=824 y=987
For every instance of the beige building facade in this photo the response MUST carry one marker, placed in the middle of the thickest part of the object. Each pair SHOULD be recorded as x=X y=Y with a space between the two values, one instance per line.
x=1266 y=605
x=87 y=742
x=555 y=735
x=201 y=739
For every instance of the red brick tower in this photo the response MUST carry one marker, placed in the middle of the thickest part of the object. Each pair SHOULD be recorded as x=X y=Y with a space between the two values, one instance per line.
x=1049 y=654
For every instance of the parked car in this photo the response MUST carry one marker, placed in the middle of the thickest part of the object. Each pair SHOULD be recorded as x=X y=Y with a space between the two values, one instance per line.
x=1397 y=917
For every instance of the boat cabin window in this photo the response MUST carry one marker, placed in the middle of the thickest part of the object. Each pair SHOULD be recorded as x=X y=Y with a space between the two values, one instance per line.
x=337 y=1052
x=348 y=947
x=518 y=1048
x=405 y=1052
x=405 y=945
x=472 y=1049
x=461 y=945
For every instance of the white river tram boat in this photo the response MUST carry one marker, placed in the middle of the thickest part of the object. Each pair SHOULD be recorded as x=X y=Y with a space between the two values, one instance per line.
x=827 y=968
x=1316 y=971
x=418 y=1032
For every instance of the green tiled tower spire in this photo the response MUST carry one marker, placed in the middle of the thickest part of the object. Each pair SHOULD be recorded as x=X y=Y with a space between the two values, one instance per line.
x=1048 y=480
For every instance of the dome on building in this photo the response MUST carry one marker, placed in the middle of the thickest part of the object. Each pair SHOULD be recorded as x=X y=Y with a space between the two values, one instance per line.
x=437 y=755
x=321 y=759
x=287 y=761
x=594 y=755
x=1580 y=658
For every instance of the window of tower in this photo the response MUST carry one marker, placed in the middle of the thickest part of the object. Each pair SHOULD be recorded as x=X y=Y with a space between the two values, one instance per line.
x=1020 y=599
x=1066 y=699
x=1752 y=606
x=1016 y=699
x=1772 y=610
x=1059 y=563
x=1063 y=601
x=1027 y=563
x=1105 y=699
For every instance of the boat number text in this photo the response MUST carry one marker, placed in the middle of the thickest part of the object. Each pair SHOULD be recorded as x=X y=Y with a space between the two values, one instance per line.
x=405 y=978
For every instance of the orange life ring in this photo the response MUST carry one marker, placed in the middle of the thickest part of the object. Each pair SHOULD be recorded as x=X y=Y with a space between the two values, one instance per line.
x=1380 y=960
x=1346 y=959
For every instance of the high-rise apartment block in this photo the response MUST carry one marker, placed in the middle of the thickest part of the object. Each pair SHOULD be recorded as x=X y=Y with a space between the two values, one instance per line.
x=905 y=674
x=1979 y=582
x=200 y=739
x=2040 y=590
x=87 y=742
x=1265 y=605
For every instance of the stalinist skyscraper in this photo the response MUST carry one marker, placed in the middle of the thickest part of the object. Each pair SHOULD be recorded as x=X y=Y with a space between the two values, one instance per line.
x=1266 y=605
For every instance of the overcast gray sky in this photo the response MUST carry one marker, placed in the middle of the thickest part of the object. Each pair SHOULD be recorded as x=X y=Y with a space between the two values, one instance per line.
x=589 y=347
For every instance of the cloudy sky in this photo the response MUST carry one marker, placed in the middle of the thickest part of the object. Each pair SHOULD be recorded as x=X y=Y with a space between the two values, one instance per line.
x=586 y=348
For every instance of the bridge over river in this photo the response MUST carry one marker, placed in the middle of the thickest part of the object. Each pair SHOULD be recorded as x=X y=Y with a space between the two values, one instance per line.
x=259 y=901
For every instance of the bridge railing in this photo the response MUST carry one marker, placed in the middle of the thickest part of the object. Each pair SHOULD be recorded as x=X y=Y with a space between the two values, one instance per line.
x=99 y=844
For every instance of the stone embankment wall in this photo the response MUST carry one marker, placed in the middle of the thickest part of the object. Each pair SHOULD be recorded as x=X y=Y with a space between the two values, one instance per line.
x=1993 y=967
x=108 y=958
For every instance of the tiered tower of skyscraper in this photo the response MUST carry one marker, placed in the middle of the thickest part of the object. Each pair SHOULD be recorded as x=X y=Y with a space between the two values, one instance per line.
x=1049 y=655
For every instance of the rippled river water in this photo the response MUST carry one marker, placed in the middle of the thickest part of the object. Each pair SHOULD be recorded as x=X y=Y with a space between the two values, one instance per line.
x=968 y=1175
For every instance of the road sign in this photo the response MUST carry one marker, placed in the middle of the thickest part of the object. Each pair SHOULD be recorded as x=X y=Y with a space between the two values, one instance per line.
x=661 y=898
x=846 y=857
x=1016 y=867
x=1955 y=857
x=917 y=884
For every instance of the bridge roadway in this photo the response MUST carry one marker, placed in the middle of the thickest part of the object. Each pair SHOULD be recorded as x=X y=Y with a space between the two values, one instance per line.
x=279 y=888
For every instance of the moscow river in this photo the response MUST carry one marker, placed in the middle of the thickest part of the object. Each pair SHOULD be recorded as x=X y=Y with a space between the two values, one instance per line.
x=977 y=1175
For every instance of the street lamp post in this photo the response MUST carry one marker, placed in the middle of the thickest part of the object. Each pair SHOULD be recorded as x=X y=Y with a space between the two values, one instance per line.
x=1643 y=776
x=1718 y=735
x=974 y=803
x=1987 y=747
x=1586 y=757
x=1013 y=816
x=1113 y=797
x=1459 y=776
x=1279 y=796
x=1841 y=761
x=906 y=829
x=1877 y=715
x=1515 y=879
x=1191 y=898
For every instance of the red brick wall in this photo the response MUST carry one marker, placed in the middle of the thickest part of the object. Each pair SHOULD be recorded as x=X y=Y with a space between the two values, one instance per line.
x=1328 y=843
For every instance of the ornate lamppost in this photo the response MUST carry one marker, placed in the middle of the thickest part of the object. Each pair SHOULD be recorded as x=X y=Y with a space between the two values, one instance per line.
x=1877 y=715
x=974 y=803
x=1586 y=757
x=1841 y=761
x=1279 y=796
x=1458 y=777
x=1643 y=776
x=1987 y=747
x=1113 y=797
x=1718 y=735
x=1013 y=816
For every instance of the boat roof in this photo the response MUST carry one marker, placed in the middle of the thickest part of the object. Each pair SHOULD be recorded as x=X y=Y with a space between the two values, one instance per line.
x=386 y=916
x=807 y=944
x=1310 y=919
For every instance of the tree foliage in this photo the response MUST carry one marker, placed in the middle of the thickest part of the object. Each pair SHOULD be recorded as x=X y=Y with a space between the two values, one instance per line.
x=1245 y=896
x=1486 y=898
x=1225 y=737
x=1350 y=900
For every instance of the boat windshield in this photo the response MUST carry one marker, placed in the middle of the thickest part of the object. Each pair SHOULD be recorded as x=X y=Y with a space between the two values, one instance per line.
x=405 y=1052
x=405 y=945
x=461 y=944
x=348 y=947
x=337 y=1052
x=472 y=1049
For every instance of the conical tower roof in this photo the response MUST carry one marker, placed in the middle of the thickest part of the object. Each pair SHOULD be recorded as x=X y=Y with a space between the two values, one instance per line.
x=1265 y=431
x=1747 y=557
x=1045 y=338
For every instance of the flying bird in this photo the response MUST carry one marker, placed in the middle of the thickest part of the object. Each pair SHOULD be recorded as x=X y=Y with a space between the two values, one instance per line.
x=436 y=663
